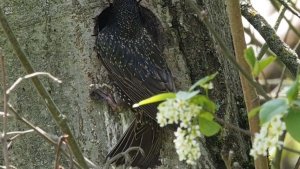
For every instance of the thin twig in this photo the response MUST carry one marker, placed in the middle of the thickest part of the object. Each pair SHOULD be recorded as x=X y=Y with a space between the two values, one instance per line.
x=291 y=150
x=293 y=11
x=276 y=161
x=61 y=141
x=231 y=126
x=11 y=166
x=5 y=99
x=265 y=46
x=55 y=112
x=294 y=29
x=71 y=159
x=49 y=138
x=12 y=87
x=20 y=132
x=227 y=157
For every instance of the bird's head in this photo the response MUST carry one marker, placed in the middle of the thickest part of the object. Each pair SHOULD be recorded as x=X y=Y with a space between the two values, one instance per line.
x=126 y=7
x=126 y=14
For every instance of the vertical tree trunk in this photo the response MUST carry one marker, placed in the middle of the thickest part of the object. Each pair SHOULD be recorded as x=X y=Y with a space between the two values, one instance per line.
x=57 y=37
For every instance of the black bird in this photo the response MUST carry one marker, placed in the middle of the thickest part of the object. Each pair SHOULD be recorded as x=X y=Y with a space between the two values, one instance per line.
x=137 y=70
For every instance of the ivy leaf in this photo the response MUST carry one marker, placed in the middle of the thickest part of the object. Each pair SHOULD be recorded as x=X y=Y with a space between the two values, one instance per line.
x=272 y=108
x=186 y=95
x=250 y=57
x=208 y=127
x=292 y=122
x=204 y=82
x=154 y=99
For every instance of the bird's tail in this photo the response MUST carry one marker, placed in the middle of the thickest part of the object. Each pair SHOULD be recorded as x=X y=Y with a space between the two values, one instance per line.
x=145 y=134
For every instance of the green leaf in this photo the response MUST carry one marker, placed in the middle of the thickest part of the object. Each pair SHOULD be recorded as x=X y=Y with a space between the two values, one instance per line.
x=260 y=65
x=250 y=57
x=186 y=95
x=272 y=108
x=208 y=127
x=204 y=82
x=207 y=115
x=205 y=102
x=292 y=122
x=256 y=70
x=253 y=112
x=293 y=91
x=263 y=63
x=154 y=99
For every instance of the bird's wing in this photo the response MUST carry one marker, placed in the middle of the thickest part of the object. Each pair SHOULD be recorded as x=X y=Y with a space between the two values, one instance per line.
x=136 y=66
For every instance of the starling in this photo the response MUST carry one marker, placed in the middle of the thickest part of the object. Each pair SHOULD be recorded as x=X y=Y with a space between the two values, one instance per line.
x=138 y=71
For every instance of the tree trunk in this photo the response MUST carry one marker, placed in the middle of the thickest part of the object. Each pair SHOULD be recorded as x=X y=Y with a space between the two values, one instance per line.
x=57 y=37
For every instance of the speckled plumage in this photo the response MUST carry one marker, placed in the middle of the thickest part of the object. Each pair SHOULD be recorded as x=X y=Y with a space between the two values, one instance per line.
x=137 y=69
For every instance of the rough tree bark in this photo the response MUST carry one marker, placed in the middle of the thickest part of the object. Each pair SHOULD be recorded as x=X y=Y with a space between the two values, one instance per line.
x=57 y=37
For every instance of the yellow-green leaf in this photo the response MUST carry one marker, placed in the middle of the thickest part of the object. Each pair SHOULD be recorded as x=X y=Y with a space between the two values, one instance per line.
x=250 y=57
x=253 y=112
x=204 y=82
x=154 y=99
x=260 y=65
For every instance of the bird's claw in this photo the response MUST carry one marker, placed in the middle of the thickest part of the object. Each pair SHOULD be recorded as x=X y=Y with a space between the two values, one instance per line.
x=105 y=92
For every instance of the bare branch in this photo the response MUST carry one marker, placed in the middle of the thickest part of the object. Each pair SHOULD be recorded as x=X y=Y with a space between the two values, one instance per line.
x=20 y=132
x=52 y=139
x=11 y=166
x=265 y=46
x=293 y=11
x=61 y=141
x=12 y=87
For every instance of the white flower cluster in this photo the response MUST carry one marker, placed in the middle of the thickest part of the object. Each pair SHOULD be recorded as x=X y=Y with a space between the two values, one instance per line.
x=186 y=144
x=177 y=110
x=182 y=112
x=268 y=136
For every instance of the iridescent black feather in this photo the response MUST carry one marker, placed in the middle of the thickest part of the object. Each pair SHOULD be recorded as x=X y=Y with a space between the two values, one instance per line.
x=137 y=69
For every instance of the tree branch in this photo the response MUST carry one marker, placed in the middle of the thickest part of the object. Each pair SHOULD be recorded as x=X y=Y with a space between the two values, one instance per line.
x=282 y=50
x=250 y=94
x=52 y=139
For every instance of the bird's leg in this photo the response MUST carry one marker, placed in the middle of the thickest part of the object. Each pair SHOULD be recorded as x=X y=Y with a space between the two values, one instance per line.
x=100 y=92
